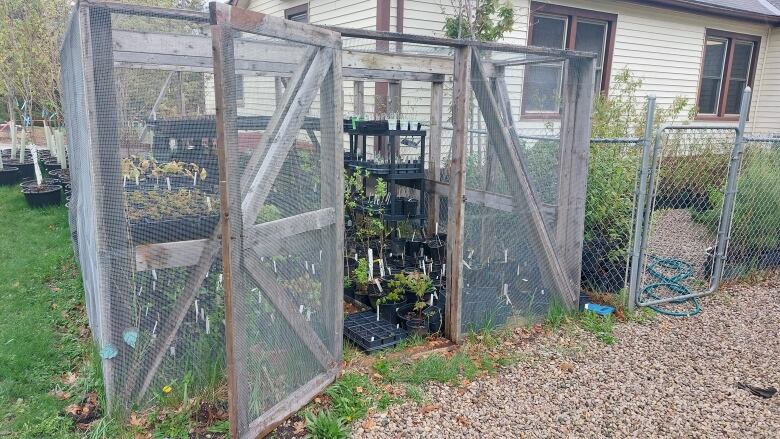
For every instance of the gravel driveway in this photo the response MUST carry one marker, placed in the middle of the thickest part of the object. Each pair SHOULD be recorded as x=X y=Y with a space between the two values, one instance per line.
x=666 y=378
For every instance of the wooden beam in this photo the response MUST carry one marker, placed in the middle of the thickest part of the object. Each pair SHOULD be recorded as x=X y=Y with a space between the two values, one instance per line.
x=524 y=61
x=514 y=170
x=289 y=310
x=168 y=51
x=359 y=98
x=434 y=150
x=280 y=142
x=293 y=402
x=332 y=198
x=262 y=24
x=573 y=170
x=278 y=119
x=187 y=253
x=460 y=97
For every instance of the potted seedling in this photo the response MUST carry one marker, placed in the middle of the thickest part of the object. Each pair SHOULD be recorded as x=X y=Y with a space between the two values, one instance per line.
x=165 y=216
x=8 y=174
x=416 y=315
x=41 y=194
x=22 y=161
x=360 y=275
x=395 y=296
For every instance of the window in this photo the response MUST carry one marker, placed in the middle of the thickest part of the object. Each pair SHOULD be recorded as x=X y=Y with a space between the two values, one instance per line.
x=561 y=27
x=298 y=13
x=727 y=68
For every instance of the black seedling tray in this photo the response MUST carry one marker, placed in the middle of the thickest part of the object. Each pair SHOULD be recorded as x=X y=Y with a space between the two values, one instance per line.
x=366 y=332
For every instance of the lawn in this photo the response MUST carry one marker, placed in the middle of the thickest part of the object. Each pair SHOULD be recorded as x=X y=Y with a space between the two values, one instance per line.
x=44 y=341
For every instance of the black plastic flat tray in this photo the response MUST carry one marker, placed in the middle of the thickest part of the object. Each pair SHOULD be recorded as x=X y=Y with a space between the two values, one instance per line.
x=370 y=334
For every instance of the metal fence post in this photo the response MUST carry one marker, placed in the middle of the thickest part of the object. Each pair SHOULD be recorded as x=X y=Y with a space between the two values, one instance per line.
x=724 y=229
x=647 y=144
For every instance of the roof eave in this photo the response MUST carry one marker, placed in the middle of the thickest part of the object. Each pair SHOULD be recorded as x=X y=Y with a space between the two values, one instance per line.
x=719 y=11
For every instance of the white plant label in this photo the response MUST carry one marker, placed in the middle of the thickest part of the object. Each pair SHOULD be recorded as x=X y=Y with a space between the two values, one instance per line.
x=370 y=263
x=154 y=274
x=136 y=181
x=208 y=325
x=506 y=255
x=381 y=268
x=168 y=182
x=36 y=165
x=437 y=227
x=300 y=309
x=306 y=263
x=154 y=329
x=140 y=290
x=196 y=310
x=147 y=311
x=208 y=203
x=220 y=279
x=471 y=253
x=194 y=179
x=467 y=265
x=124 y=181
x=173 y=351
x=154 y=285
x=203 y=313
x=274 y=266
x=313 y=273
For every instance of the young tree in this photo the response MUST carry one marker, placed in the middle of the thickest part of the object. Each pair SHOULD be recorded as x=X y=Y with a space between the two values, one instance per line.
x=483 y=20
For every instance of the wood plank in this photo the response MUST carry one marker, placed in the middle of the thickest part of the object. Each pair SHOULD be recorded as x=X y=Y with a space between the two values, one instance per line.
x=514 y=170
x=332 y=198
x=289 y=310
x=359 y=98
x=278 y=118
x=573 y=166
x=460 y=97
x=434 y=151
x=231 y=225
x=280 y=142
x=134 y=48
x=293 y=402
x=187 y=253
x=263 y=24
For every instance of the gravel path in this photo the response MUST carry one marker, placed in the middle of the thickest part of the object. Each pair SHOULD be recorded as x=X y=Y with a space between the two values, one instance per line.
x=666 y=378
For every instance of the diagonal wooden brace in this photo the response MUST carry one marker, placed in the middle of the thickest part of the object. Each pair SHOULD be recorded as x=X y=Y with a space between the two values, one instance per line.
x=509 y=159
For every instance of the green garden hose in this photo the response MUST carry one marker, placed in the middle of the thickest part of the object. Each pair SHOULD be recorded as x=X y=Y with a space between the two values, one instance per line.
x=673 y=283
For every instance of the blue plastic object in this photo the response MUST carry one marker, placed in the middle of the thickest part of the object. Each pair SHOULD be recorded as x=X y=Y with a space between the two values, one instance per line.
x=601 y=310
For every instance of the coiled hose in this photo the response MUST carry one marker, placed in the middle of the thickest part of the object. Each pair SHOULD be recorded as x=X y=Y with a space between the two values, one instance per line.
x=683 y=270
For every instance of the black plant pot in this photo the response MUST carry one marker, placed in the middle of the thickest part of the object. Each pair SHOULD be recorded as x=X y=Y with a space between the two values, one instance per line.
x=412 y=247
x=362 y=297
x=397 y=246
x=410 y=207
x=436 y=250
x=26 y=169
x=8 y=175
x=397 y=207
x=148 y=231
x=350 y=291
x=389 y=311
x=43 y=195
x=51 y=164
x=63 y=174
x=372 y=126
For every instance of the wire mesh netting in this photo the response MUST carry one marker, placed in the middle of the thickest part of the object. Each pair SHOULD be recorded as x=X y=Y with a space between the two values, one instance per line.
x=690 y=178
x=613 y=170
x=754 y=242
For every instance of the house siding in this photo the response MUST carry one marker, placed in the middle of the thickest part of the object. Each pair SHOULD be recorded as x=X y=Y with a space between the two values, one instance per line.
x=766 y=99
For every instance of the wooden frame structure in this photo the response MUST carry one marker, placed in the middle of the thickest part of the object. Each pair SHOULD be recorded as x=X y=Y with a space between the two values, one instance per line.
x=326 y=65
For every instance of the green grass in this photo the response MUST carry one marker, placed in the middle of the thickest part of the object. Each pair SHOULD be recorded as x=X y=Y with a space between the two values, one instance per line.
x=601 y=327
x=41 y=313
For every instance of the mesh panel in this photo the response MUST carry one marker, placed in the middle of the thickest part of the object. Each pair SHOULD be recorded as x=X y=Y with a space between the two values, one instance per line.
x=507 y=276
x=755 y=231
x=692 y=166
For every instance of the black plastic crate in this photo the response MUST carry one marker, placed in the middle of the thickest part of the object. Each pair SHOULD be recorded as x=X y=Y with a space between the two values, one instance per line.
x=370 y=334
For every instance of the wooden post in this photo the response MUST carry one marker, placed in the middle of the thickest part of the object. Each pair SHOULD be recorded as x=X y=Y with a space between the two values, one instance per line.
x=113 y=240
x=573 y=171
x=359 y=98
x=456 y=200
x=434 y=148
x=230 y=199
x=332 y=195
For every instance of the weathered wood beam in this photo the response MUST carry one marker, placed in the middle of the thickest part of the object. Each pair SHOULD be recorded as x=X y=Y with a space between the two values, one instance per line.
x=278 y=119
x=280 y=142
x=434 y=151
x=456 y=217
x=514 y=170
x=293 y=402
x=187 y=253
x=289 y=310
x=573 y=170
x=524 y=61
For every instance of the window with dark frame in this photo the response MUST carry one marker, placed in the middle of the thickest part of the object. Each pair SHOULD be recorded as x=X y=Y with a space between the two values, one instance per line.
x=298 y=13
x=562 y=27
x=728 y=66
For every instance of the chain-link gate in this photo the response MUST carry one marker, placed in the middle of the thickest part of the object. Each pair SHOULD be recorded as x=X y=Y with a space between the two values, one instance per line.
x=686 y=218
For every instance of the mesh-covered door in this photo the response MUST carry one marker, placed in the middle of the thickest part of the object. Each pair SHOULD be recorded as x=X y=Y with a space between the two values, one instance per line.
x=280 y=123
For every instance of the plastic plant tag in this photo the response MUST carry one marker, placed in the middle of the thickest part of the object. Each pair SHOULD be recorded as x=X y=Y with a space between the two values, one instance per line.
x=300 y=309
x=154 y=328
x=381 y=268
x=108 y=352
x=208 y=203
x=196 y=310
x=130 y=336
x=208 y=325
x=154 y=274
x=370 y=263
x=313 y=273
x=168 y=182
x=437 y=227
x=506 y=254
x=378 y=285
x=36 y=165
x=467 y=265
x=506 y=294
x=173 y=351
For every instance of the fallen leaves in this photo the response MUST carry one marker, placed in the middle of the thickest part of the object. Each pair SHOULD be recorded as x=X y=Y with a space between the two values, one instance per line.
x=299 y=427
x=462 y=420
x=428 y=408
x=368 y=424
x=69 y=378
x=85 y=412
x=60 y=394
x=566 y=367
x=136 y=421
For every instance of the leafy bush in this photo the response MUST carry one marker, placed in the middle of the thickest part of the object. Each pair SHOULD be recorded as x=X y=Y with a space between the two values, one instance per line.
x=756 y=221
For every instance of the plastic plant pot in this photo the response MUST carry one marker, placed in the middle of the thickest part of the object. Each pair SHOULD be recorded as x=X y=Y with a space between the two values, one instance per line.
x=389 y=311
x=8 y=175
x=43 y=195
x=410 y=209
x=414 y=322
x=45 y=181
x=26 y=169
x=50 y=165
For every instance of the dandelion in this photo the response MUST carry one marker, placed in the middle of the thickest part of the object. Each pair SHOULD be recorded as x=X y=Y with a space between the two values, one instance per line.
x=167 y=389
